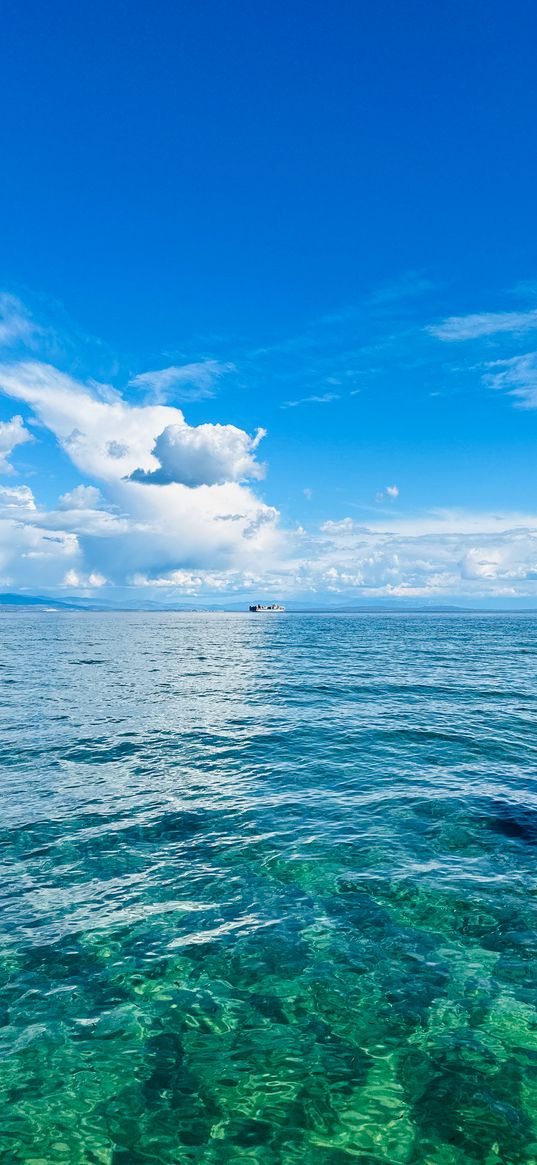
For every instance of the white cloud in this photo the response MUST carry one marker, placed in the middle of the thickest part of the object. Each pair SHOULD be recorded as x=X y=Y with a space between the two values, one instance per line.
x=83 y=497
x=16 y=325
x=107 y=439
x=473 y=327
x=110 y=439
x=517 y=376
x=12 y=433
x=434 y=557
x=390 y=491
x=444 y=522
x=192 y=583
x=342 y=526
x=482 y=562
x=155 y=528
x=32 y=555
x=439 y=555
x=324 y=398
x=185 y=382
x=203 y=455
x=75 y=579
x=16 y=500
x=192 y=527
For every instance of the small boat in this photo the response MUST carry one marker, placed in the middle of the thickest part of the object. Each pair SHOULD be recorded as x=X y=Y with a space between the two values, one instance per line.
x=260 y=608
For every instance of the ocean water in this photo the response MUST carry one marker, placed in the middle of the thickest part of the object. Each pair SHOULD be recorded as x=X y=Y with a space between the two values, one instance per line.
x=268 y=889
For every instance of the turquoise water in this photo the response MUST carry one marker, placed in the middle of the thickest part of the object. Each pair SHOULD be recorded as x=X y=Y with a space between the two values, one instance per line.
x=268 y=889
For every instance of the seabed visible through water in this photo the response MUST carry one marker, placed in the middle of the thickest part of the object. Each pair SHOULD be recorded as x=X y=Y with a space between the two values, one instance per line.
x=268 y=890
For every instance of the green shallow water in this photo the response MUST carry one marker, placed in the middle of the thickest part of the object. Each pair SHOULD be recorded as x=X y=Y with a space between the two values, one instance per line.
x=268 y=890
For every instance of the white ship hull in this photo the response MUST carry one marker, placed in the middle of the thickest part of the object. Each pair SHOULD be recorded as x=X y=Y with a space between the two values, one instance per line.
x=261 y=609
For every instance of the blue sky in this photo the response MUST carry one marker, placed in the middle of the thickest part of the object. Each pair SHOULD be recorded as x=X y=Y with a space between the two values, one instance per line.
x=268 y=322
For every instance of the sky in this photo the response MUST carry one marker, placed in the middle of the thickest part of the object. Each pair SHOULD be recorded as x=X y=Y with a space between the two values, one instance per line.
x=268 y=302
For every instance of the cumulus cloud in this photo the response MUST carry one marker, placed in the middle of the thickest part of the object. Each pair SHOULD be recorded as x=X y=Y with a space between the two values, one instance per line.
x=165 y=505
x=111 y=439
x=32 y=554
x=438 y=555
x=12 y=433
x=342 y=526
x=83 y=497
x=16 y=500
x=390 y=492
x=77 y=580
x=196 y=583
x=203 y=455
x=166 y=484
x=473 y=327
x=105 y=438
x=185 y=382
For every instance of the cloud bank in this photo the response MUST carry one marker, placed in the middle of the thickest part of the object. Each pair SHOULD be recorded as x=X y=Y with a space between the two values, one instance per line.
x=153 y=504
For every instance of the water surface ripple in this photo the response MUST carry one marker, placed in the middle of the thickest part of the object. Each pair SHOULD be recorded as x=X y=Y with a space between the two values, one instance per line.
x=268 y=889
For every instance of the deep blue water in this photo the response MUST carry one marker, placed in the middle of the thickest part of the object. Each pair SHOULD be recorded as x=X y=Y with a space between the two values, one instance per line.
x=268 y=889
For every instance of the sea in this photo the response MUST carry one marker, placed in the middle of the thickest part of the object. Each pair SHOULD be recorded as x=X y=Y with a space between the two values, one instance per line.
x=268 y=889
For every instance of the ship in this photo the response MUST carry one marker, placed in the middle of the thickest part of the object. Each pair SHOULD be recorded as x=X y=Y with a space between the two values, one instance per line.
x=260 y=608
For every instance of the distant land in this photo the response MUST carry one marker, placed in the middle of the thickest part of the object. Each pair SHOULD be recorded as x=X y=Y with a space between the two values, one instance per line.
x=49 y=603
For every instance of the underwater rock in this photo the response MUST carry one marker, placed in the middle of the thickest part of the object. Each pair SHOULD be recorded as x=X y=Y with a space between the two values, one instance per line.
x=516 y=821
